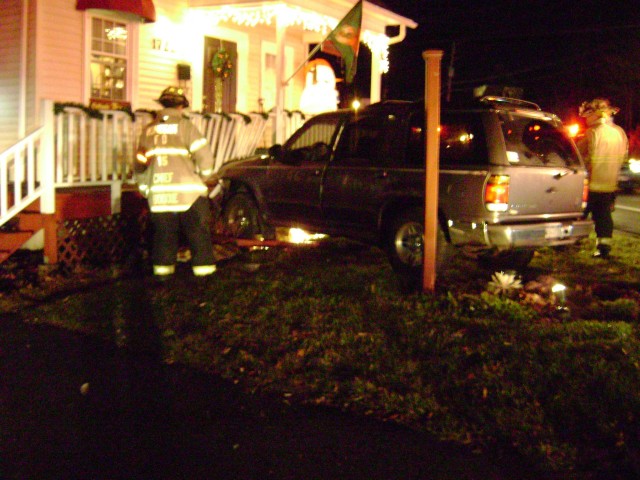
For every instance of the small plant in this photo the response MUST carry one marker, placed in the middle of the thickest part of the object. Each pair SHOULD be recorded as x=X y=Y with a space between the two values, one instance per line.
x=504 y=283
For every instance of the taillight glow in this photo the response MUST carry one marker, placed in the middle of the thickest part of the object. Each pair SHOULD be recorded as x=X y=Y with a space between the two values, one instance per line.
x=585 y=193
x=496 y=193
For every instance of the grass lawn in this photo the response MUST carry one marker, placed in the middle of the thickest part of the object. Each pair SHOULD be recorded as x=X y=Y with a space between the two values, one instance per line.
x=480 y=361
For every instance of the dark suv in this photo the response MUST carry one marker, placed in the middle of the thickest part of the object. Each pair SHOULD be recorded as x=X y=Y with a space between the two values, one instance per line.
x=510 y=181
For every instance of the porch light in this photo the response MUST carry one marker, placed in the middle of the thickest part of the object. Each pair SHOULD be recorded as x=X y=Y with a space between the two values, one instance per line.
x=355 y=104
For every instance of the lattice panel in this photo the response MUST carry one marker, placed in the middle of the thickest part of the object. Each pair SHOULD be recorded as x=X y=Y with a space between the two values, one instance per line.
x=101 y=240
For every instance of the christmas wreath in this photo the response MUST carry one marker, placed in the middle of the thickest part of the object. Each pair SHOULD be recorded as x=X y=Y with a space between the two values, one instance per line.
x=221 y=64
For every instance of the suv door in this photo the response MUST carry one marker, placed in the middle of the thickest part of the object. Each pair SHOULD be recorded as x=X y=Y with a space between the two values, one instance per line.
x=358 y=176
x=292 y=188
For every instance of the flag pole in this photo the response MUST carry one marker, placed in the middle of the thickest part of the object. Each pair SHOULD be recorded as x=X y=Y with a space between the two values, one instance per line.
x=313 y=52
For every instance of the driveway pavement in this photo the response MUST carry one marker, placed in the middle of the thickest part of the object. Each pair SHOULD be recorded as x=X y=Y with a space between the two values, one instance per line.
x=72 y=407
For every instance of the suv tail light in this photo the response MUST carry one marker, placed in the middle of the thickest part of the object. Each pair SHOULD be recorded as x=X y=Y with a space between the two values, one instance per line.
x=585 y=193
x=496 y=193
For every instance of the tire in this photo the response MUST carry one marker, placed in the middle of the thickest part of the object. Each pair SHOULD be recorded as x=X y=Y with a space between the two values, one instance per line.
x=404 y=244
x=241 y=218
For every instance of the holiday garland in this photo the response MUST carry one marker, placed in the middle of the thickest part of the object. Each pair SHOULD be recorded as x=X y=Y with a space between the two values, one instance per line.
x=221 y=63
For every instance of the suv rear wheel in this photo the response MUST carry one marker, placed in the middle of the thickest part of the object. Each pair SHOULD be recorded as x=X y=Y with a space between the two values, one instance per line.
x=241 y=218
x=404 y=242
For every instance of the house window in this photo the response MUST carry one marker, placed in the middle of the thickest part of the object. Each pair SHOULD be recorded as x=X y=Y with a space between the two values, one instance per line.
x=108 y=62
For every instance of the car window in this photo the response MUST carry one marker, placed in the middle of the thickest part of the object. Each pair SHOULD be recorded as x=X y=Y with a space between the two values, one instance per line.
x=313 y=132
x=462 y=140
x=366 y=141
x=305 y=142
x=537 y=142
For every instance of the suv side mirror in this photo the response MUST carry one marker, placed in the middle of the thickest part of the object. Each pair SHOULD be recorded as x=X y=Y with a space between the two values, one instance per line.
x=276 y=152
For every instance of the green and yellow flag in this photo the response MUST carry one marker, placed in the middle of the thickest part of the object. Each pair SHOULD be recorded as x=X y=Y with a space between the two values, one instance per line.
x=344 y=41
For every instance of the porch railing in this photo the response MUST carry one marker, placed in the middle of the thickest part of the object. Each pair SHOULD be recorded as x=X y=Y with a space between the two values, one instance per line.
x=26 y=171
x=75 y=148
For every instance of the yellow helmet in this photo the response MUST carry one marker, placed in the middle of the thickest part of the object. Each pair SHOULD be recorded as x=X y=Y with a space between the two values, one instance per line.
x=172 y=97
x=598 y=106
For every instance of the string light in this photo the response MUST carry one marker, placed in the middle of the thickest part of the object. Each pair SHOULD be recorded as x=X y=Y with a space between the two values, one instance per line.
x=252 y=16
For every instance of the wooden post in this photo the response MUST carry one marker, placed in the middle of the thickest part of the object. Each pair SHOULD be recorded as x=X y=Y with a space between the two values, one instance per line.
x=432 y=60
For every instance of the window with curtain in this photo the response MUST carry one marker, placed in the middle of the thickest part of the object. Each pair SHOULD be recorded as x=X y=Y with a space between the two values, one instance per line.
x=108 y=62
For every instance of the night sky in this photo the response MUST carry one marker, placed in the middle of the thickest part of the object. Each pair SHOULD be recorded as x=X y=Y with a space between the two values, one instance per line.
x=560 y=53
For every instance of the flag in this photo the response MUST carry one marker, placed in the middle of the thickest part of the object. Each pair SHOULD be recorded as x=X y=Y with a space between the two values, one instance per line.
x=344 y=41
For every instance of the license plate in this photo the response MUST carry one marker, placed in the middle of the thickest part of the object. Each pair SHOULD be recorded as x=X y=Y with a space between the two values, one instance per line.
x=558 y=231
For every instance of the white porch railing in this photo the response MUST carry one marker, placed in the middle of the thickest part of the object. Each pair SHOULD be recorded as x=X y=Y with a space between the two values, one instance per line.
x=27 y=167
x=76 y=149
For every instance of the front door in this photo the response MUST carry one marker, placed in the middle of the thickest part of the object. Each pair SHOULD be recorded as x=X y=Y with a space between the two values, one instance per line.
x=225 y=100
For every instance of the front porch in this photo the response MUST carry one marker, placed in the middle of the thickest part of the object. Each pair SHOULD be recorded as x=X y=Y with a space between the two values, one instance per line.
x=68 y=189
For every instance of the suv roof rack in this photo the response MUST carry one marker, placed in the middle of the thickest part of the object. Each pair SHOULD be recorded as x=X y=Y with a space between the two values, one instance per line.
x=506 y=101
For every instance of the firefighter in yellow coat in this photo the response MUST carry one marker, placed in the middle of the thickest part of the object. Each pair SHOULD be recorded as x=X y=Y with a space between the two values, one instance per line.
x=172 y=162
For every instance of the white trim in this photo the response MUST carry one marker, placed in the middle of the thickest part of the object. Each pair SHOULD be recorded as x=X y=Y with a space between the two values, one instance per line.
x=267 y=47
x=131 y=54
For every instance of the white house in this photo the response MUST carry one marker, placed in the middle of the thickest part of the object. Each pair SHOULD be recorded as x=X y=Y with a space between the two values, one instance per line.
x=63 y=174
x=114 y=52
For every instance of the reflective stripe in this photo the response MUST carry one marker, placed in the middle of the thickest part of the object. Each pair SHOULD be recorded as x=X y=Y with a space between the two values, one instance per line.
x=164 y=269
x=198 y=144
x=189 y=187
x=166 y=128
x=203 y=270
x=207 y=172
x=604 y=241
x=167 y=151
x=169 y=208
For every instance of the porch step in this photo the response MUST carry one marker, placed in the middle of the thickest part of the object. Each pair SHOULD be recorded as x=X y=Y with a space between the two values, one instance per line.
x=25 y=225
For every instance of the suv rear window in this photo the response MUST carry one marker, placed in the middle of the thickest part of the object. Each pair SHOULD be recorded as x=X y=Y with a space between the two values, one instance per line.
x=462 y=140
x=537 y=142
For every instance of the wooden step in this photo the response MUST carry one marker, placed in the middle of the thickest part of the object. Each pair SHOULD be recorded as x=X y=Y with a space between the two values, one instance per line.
x=29 y=221
x=22 y=228
x=11 y=241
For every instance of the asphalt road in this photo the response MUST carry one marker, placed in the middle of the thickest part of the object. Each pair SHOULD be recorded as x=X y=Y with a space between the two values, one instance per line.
x=626 y=216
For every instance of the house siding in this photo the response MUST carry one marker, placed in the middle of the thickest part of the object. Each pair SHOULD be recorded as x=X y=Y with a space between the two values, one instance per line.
x=60 y=46
x=157 y=68
x=10 y=24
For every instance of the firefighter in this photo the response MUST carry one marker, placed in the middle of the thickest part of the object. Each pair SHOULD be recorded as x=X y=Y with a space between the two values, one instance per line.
x=172 y=164
x=604 y=148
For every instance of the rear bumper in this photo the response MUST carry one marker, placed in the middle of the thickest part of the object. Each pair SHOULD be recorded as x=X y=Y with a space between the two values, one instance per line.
x=521 y=235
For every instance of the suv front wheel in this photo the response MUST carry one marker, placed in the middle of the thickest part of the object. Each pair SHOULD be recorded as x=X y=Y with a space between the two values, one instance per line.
x=241 y=218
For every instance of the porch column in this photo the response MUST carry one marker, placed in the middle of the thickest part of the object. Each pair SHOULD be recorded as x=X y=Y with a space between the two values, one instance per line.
x=376 y=80
x=278 y=123
x=46 y=168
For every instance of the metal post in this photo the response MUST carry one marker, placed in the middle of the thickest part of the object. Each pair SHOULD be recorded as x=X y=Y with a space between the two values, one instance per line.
x=432 y=149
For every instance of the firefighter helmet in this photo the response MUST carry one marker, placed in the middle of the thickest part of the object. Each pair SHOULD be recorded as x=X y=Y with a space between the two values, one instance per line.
x=172 y=97
x=597 y=106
